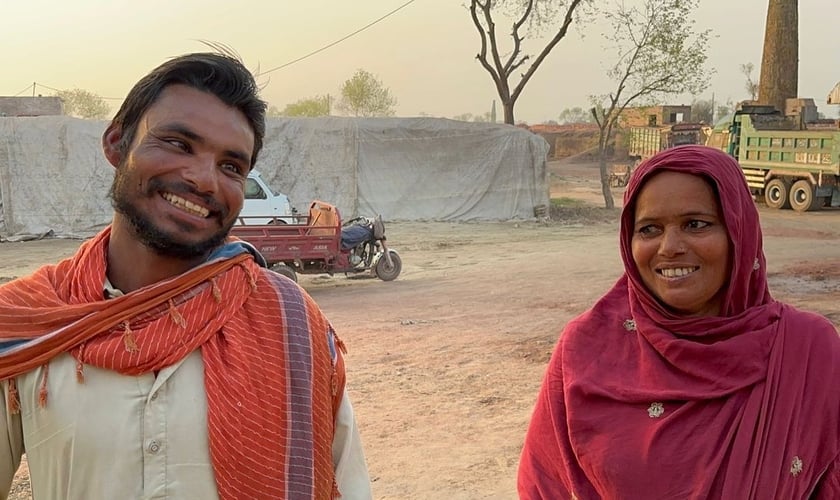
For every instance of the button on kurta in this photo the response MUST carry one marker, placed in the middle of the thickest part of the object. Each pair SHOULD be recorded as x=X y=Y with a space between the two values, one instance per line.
x=154 y=446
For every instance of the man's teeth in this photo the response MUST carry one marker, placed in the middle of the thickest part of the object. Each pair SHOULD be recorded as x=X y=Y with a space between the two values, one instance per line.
x=677 y=272
x=185 y=205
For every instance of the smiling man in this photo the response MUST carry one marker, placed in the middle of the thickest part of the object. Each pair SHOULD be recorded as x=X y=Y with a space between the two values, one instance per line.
x=161 y=361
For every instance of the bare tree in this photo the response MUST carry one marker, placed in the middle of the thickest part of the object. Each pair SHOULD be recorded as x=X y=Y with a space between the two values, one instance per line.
x=750 y=85
x=780 y=60
x=528 y=14
x=659 y=54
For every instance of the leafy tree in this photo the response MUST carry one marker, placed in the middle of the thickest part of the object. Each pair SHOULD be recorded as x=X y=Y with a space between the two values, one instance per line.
x=529 y=14
x=364 y=95
x=83 y=104
x=313 y=106
x=273 y=111
x=575 y=115
x=750 y=85
x=469 y=117
x=780 y=60
x=659 y=54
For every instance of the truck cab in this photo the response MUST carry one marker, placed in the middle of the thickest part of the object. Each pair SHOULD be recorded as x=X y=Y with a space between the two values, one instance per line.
x=262 y=205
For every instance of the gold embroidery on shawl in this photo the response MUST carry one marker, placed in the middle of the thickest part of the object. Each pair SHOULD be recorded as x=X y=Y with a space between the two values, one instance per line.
x=655 y=410
x=796 y=466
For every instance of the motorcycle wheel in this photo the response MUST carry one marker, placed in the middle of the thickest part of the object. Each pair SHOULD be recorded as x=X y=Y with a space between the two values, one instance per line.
x=285 y=270
x=386 y=272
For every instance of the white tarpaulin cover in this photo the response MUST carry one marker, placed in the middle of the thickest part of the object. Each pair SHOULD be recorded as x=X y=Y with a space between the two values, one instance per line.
x=55 y=180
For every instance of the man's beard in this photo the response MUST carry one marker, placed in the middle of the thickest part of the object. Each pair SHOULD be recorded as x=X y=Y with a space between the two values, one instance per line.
x=161 y=242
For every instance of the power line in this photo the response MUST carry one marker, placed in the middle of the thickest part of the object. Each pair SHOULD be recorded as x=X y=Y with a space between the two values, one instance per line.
x=340 y=39
x=32 y=86
x=363 y=28
x=59 y=90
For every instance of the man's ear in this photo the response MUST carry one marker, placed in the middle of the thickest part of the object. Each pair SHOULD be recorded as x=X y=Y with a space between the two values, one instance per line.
x=111 y=144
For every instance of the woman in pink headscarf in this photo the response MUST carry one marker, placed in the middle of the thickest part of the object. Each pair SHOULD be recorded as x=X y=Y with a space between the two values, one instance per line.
x=687 y=380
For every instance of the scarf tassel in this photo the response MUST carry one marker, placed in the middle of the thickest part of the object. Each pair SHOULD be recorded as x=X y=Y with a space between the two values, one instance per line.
x=176 y=316
x=13 y=398
x=217 y=292
x=128 y=339
x=80 y=374
x=252 y=280
x=340 y=343
x=42 y=392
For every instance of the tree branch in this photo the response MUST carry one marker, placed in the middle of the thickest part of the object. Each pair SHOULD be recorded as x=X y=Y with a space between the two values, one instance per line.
x=546 y=50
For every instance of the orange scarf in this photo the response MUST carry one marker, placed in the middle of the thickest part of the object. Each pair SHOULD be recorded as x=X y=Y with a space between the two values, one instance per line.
x=271 y=358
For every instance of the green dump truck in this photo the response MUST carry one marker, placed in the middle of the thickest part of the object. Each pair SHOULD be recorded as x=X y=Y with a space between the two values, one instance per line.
x=645 y=142
x=789 y=165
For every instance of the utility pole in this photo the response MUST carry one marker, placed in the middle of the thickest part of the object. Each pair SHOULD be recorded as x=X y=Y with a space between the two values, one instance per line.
x=713 y=110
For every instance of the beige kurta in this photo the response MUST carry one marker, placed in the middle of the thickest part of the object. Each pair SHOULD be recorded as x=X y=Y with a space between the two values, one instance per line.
x=126 y=437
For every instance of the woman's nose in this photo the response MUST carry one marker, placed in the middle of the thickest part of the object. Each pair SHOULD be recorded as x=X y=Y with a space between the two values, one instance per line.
x=672 y=243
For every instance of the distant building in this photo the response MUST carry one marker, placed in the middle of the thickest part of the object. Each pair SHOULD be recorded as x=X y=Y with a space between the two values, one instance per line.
x=655 y=116
x=31 y=106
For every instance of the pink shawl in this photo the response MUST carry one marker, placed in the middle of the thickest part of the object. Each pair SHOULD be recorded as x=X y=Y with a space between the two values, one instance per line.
x=640 y=403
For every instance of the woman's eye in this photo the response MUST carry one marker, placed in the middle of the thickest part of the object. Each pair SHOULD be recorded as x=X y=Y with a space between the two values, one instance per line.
x=648 y=230
x=698 y=224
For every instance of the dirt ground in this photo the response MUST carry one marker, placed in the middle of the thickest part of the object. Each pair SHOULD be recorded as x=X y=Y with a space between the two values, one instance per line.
x=445 y=362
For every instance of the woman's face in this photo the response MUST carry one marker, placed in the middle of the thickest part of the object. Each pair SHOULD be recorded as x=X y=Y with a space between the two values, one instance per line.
x=680 y=244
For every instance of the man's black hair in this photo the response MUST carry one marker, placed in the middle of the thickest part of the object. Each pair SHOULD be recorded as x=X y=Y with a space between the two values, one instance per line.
x=221 y=75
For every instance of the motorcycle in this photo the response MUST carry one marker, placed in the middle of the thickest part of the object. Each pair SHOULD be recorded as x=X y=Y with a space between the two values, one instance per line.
x=363 y=239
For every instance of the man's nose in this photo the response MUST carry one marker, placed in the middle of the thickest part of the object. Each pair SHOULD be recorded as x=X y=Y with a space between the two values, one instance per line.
x=202 y=174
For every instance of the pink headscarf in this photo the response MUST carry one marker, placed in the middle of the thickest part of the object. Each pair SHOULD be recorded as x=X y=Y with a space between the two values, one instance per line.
x=639 y=402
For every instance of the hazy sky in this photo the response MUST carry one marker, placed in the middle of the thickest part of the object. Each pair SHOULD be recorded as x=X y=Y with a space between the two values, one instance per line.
x=425 y=53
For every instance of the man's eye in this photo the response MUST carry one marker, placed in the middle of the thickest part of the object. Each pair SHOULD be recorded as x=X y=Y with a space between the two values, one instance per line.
x=233 y=167
x=178 y=144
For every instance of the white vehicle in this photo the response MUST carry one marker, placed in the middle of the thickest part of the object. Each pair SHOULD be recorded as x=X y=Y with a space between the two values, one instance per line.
x=262 y=205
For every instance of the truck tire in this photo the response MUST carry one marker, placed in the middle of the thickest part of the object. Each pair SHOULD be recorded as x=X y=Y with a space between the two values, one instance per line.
x=803 y=197
x=776 y=194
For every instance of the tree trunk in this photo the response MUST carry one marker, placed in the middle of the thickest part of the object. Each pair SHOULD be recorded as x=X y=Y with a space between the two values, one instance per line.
x=780 y=61
x=605 y=177
x=507 y=105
